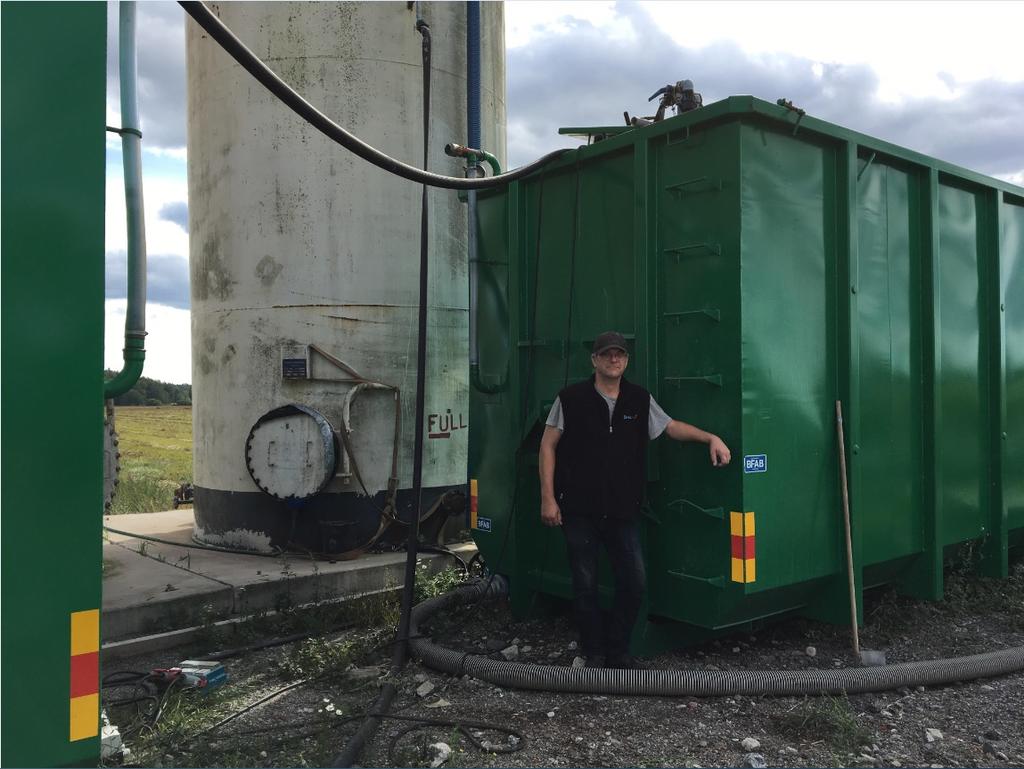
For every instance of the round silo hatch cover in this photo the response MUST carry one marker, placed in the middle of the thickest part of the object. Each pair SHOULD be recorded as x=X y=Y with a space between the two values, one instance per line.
x=291 y=452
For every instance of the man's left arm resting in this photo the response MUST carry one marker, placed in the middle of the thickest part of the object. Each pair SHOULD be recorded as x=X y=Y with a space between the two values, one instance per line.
x=681 y=431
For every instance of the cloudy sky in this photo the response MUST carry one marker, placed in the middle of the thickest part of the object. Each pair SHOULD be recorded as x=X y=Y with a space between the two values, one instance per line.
x=943 y=78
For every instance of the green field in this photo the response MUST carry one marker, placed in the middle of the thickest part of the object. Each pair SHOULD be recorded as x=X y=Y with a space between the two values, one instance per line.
x=156 y=456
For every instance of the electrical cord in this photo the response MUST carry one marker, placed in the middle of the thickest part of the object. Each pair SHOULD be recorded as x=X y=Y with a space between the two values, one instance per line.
x=235 y=48
x=143 y=687
x=252 y=706
x=416 y=723
x=462 y=726
x=279 y=641
x=191 y=546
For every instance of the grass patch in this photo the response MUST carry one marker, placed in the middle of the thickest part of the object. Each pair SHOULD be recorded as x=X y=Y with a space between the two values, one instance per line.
x=377 y=611
x=156 y=456
x=317 y=657
x=828 y=718
x=432 y=585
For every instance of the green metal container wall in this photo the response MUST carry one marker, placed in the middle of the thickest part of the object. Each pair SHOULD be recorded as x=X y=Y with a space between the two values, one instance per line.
x=889 y=336
x=1011 y=251
x=762 y=269
x=787 y=260
x=54 y=97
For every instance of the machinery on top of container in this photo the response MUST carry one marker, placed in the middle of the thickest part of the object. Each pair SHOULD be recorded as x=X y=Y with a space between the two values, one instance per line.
x=763 y=265
x=303 y=303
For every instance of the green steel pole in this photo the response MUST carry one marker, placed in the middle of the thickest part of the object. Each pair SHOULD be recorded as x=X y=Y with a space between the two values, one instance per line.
x=487 y=157
x=131 y=151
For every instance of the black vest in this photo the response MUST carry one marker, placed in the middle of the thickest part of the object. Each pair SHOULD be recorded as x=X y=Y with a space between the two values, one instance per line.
x=601 y=466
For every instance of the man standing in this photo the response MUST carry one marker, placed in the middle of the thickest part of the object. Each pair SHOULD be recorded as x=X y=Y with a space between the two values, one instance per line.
x=593 y=477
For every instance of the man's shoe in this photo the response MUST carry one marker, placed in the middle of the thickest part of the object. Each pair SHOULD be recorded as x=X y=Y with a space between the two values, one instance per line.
x=622 y=662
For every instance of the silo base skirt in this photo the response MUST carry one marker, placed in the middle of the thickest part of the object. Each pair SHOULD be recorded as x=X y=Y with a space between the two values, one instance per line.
x=328 y=524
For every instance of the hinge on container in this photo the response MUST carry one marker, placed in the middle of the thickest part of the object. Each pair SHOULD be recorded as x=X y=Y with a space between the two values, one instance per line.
x=679 y=188
x=718 y=581
x=711 y=379
x=712 y=313
x=711 y=248
x=712 y=512
x=866 y=165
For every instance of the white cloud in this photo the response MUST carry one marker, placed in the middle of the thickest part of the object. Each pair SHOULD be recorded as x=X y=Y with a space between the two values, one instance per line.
x=178 y=153
x=910 y=45
x=1017 y=178
x=946 y=79
x=168 y=342
x=525 y=19
x=162 y=236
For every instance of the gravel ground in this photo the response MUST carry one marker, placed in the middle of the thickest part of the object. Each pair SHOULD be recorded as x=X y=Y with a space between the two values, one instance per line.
x=980 y=723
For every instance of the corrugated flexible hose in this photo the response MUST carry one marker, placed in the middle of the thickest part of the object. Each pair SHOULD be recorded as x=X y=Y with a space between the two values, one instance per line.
x=680 y=683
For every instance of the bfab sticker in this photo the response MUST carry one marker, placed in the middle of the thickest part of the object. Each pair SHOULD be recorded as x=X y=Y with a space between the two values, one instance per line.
x=755 y=463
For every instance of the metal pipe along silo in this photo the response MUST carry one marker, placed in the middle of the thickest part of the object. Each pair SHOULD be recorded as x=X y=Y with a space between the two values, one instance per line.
x=304 y=272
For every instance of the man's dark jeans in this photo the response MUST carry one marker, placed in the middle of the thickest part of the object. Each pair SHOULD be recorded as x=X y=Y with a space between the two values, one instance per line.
x=621 y=540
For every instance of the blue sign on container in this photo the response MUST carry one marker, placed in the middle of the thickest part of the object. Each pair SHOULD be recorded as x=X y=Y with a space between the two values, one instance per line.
x=755 y=463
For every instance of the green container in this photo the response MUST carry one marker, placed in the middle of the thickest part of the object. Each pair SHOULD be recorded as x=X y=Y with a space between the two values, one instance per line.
x=54 y=107
x=763 y=267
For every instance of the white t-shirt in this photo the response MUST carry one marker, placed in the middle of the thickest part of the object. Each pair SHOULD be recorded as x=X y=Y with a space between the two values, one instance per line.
x=657 y=419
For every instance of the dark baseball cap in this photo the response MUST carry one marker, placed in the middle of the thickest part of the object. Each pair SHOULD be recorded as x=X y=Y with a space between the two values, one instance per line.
x=607 y=341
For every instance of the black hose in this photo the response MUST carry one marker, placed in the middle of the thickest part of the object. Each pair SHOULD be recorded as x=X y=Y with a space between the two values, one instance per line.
x=268 y=643
x=255 y=67
x=253 y=705
x=400 y=653
x=192 y=546
x=354 y=747
x=465 y=728
x=706 y=683
x=412 y=542
x=445 y=551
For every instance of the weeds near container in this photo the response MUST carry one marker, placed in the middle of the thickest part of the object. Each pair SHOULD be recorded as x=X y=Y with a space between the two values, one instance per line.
x=185 y=714
x=377 y=610
x=829 y=716
x=316 y=657
x=208 y=634
x=430 y=586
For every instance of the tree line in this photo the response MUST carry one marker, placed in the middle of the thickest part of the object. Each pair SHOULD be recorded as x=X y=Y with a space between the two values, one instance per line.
x=150 y=392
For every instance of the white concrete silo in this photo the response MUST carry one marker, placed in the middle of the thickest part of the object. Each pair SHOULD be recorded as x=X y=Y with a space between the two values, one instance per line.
x=303 y=255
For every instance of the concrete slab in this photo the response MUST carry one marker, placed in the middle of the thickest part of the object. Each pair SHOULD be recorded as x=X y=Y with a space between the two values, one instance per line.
x=153 y=587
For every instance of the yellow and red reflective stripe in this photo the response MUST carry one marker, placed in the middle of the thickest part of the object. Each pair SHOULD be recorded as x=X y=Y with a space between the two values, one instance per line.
x=472 y=503
x=742 y=549
x=84 y=707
